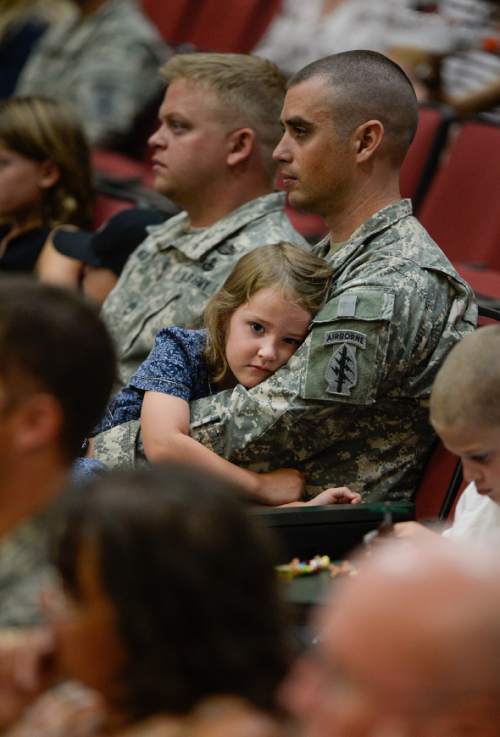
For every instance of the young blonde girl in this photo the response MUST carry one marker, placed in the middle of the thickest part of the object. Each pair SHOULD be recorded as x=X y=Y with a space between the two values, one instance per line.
x=45 y=177
x=253 y=325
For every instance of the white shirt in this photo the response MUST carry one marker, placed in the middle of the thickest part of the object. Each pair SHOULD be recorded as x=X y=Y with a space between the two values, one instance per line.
x=476 y=517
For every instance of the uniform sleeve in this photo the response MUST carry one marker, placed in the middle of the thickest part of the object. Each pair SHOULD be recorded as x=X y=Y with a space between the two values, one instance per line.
x=310 y=401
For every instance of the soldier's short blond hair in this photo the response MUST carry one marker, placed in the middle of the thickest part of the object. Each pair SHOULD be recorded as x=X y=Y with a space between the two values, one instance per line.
x=466 y=390
x=250 y=91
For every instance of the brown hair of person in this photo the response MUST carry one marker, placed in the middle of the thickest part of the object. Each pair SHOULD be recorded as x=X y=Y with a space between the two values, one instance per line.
x=42 y=129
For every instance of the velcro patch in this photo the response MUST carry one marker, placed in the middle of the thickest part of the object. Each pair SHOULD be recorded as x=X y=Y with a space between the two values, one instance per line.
x=347 y=305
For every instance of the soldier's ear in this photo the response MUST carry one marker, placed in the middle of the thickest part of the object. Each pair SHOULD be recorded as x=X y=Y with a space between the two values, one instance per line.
x=367 y=139
x=241 y=143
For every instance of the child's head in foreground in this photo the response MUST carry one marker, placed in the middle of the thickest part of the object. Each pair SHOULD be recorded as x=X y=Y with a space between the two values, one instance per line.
x=45 y=170
x=171 y=593
x=261 y=315
x=465 y=407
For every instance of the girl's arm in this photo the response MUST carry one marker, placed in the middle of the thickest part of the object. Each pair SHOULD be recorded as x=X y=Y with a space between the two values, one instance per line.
x=165 y=435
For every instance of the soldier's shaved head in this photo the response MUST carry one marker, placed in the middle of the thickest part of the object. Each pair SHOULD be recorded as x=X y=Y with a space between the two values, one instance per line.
x=366 y=85
x=466 y=390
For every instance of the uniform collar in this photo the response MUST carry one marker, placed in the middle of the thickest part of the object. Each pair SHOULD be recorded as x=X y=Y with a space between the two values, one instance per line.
x=378 y=222
x=175 y=232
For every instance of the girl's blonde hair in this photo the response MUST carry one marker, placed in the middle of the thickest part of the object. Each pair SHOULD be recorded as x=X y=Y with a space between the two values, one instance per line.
x=300 y=276
x=42 y=129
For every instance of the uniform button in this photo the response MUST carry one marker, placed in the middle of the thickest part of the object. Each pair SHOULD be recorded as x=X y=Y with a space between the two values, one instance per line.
x=227 y=249
x=208 y=264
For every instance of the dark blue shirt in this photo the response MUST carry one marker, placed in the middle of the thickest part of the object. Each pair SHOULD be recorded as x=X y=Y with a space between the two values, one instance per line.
x=176 y=366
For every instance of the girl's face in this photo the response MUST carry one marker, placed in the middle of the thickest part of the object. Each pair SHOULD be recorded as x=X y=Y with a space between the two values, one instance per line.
x=262 y=335
x=22 y=184
x=88 y=647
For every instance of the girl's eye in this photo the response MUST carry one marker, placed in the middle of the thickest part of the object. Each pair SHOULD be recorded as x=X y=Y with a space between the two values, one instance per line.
x=293 y=341
x=256 y=327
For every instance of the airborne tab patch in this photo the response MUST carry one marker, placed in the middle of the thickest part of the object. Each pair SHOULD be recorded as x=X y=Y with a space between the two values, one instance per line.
x=341 y=372
x=345 y=336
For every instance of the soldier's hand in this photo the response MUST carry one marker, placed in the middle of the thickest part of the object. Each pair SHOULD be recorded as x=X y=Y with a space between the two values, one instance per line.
x=281 y=486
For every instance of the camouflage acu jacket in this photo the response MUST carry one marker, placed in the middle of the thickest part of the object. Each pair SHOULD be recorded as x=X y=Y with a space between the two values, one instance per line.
x=24 y=570
x=351 y=406
x=169 y=279
x=105 y=65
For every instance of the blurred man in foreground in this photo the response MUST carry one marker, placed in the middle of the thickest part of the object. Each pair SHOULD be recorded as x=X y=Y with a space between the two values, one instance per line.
x=408 y=648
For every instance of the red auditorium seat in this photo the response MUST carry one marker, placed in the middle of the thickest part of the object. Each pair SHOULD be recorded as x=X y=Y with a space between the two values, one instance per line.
x=440 y=486
x=422 y=158
x=461 y=208
x=173 y=18
x=121 y=167
x=220 y=28
x=106 y=207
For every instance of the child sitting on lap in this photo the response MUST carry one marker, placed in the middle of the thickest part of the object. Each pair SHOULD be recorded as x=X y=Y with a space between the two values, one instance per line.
x=254 y=324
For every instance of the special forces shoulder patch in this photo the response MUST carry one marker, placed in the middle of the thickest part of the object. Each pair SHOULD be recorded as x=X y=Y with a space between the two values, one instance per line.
x=341 y=372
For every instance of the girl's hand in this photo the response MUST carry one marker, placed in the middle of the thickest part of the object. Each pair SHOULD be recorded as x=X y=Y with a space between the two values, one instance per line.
x=280 y=486
x=335 y=495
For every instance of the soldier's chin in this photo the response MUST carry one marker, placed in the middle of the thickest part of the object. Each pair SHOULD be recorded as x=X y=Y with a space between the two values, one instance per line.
x=301 y=203
x=296 y=200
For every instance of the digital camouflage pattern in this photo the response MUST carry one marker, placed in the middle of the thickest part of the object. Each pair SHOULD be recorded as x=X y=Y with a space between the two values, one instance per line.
x=24 y=571
x=169 y=279
x=106 y=65
x=351 y=406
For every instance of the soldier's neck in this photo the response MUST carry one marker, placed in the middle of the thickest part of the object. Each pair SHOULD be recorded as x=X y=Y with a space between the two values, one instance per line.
x=215 y=205
x=345 y=220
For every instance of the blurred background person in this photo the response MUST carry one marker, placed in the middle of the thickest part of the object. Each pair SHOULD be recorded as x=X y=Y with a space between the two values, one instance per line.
x=22 y=23
x=104 y=61
x=409 y=647
x=45 y=177
x=168 y=610
x=93 y=261
x=56 y=370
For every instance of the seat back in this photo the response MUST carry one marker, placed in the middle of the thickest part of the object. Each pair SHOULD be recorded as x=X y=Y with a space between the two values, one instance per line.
x=105 y=207
x=423 y=155
x=461 y=208
x=439 y=486
x=173 y=18
x=219 y=28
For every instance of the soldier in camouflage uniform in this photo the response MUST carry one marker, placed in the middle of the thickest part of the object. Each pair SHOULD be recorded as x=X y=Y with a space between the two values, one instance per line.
x=351 y=406
x=212 y=157
x=104 y=60
x=48 y=406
